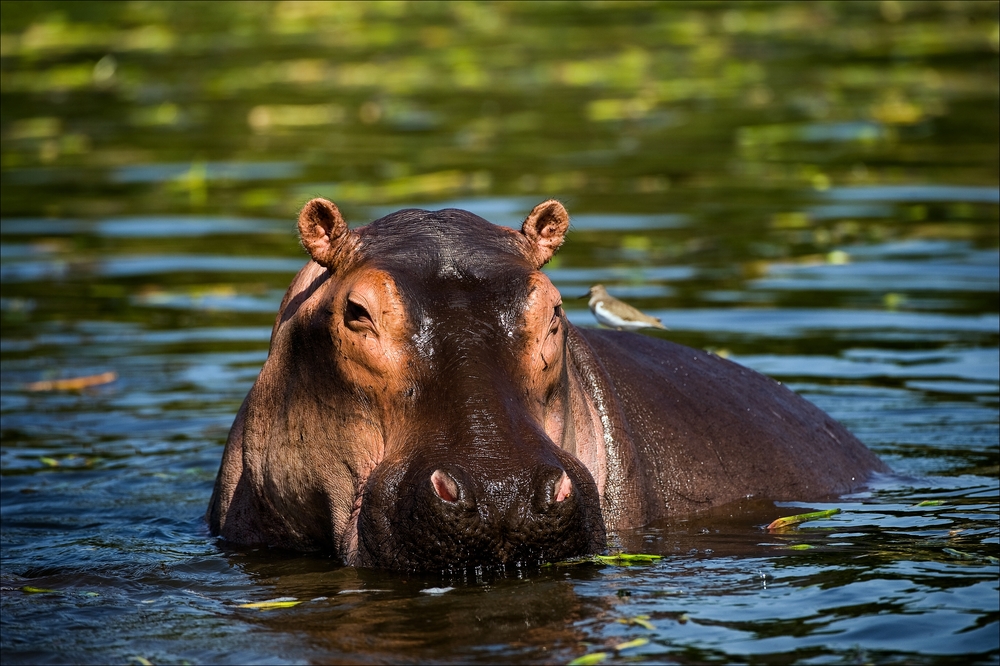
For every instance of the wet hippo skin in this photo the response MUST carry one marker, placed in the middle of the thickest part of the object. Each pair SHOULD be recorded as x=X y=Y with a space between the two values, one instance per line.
x=425 y=404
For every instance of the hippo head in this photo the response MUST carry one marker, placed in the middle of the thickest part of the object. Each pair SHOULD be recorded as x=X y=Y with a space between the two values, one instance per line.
x=414 y=412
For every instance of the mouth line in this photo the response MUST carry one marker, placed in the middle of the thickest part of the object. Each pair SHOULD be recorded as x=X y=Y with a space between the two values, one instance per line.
x=349 y=542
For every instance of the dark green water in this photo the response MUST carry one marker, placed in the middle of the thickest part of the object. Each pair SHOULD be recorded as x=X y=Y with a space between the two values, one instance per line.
x=810 y=189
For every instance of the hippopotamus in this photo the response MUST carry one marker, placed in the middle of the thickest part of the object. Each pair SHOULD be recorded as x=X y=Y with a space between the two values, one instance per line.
x=426 y=405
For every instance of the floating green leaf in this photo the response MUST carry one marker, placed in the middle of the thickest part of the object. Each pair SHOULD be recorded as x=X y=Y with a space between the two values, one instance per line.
x=571 y=562
x=638 y=642
x=641 y=620
x=788 y=521
x=620 y=560
x=27 y=589
x=960 y=554
x=592 y=658
x=48 y=462
x=625 y=559
x=930 y=503
x=274 y=603
x=801 y=546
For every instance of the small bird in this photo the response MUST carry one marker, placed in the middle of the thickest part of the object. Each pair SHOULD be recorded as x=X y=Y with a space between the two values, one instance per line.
x=613 y=313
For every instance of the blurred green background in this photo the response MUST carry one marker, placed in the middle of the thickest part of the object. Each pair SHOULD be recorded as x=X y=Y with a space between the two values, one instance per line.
x=747 y=134
x=249 y=108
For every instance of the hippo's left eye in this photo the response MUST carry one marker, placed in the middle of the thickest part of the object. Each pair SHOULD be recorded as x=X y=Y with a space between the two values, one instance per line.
x=357 y=315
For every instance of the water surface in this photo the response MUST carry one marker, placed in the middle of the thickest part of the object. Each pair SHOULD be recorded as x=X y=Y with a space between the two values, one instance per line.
x=810 y=190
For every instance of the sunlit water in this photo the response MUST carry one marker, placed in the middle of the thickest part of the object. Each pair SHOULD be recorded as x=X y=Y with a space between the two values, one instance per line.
x=809 y=189
x=106 y=555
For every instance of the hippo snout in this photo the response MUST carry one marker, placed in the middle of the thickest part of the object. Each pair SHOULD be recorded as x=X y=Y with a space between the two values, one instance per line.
x=452 y=516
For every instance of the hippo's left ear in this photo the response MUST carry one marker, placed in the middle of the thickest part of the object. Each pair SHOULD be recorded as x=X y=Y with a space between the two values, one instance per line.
x=324 y=234
x=544 y=229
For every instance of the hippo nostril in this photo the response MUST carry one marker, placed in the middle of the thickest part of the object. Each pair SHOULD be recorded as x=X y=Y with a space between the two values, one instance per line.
x=553 y=488
x=563 y=487
x=445 y=486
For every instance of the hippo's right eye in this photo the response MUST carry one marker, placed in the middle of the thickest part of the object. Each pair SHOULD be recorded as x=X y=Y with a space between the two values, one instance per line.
x=557 y=314
x=356 y=315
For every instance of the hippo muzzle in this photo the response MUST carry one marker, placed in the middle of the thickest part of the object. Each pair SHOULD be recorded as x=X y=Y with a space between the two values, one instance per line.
x=477 y=511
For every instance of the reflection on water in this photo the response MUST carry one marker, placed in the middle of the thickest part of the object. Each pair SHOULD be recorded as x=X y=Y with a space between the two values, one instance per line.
x=808 y=189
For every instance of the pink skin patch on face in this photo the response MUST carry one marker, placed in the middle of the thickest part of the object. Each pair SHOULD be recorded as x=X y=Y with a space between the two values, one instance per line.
x=564 y=489
x=444 y=486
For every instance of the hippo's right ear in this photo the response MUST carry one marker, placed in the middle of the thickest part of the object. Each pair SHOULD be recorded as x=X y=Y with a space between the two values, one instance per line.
x=324 y=234
x=544 y=229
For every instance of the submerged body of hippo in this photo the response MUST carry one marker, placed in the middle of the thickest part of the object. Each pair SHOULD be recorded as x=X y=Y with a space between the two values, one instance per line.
x=425 y=404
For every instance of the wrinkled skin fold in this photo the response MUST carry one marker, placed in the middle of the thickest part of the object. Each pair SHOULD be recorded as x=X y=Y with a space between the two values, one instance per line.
x=425 y=404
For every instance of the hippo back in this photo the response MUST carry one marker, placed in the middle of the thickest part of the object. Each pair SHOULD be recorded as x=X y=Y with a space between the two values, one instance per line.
x=708 y=431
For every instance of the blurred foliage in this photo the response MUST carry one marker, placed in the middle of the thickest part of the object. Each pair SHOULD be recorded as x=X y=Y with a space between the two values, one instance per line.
x=752 y=129
x=645 y=103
